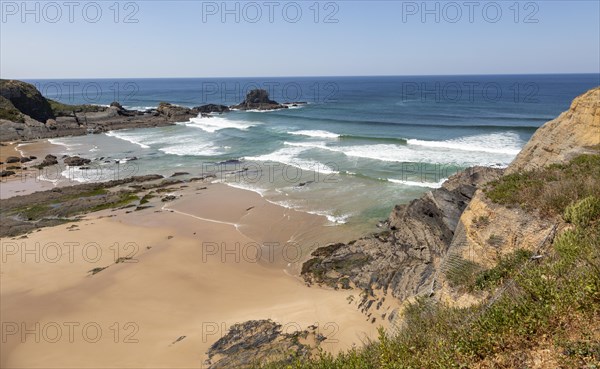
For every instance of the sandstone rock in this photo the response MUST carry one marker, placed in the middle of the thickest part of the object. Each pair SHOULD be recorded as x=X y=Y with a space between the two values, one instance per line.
x=574 y=132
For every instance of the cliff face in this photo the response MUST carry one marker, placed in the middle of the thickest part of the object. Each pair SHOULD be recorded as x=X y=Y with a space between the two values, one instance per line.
x=27 y=99
x=457 y=224
x=405 y=259
x=573 y=133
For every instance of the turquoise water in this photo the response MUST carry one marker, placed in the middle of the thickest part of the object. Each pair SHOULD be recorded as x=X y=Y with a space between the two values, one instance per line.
x=360 y=145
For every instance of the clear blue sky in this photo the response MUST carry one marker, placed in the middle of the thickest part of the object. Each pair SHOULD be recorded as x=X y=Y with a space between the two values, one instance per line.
x=171 y=39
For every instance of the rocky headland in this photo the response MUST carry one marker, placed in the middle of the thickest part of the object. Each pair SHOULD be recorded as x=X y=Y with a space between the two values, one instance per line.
x=26 y=115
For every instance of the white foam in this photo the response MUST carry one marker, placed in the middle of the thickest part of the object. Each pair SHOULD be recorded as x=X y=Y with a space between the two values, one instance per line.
x=243 y=186
x=497 y=149
x=94 y=174
x=134 y=139
x=192 y=149
x=315 y=133
x=418 y=184
x=289 y=156
x=139 y=108
x=496 y=143
x=70 y=146
x=335 y=220
x=214 y=124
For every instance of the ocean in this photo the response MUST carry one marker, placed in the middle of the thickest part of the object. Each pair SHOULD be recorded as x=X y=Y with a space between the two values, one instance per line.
x=357 y=147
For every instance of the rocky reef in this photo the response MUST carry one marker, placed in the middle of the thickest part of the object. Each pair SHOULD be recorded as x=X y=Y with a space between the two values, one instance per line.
x=25 y=114
x=259 y=341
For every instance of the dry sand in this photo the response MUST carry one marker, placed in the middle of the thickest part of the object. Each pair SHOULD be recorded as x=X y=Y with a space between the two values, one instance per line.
x=187 y=278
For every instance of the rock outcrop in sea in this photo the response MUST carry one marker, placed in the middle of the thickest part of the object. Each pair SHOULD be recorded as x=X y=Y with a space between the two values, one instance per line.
x=258 y=100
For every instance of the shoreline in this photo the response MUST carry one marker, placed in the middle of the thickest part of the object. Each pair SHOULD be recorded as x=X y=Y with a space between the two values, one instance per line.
x=180 y=285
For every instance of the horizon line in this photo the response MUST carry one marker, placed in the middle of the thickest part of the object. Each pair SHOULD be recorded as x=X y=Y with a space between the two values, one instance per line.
x=314 y=76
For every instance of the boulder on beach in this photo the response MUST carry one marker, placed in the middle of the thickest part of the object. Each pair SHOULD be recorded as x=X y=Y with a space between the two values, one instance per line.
x=76 y=161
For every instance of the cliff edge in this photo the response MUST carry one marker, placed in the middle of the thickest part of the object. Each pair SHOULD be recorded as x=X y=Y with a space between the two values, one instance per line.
x=574 y=132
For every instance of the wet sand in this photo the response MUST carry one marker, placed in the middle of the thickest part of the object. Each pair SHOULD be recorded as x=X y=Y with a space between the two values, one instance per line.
x=214 y=257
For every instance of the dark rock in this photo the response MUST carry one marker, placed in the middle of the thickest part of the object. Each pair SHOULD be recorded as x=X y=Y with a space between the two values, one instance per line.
x=212 y=108
x=258 y=100
x=25 y=160
x=175 y=113
x=260 y=341
x=13 y=159
x=76 y=161
x=27 y=99
x=6 y=173
x=404 y=258
x=169 y=198
x=48 y=161
x=177 y=174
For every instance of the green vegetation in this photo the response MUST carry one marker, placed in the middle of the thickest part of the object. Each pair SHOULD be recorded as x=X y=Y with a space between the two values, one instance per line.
x=146 y=198
x=9 y=112
x=69 y=205
x=506 y=267
x=461 y=272
x=60 y=110
x=546 y=308
x=549 y=190
x=123 y=199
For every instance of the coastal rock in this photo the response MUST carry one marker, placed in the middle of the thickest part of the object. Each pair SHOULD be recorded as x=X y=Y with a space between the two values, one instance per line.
x=22 y=214
x=25 y=115
x=258 y=100
x=574 y=132
x=76 y=161
x=259 y=341
x=27 y=99
x=6 y=173
x=12 y=159
x=212 y=108
x=175 y=113
x=405 y=258
x=48 y=161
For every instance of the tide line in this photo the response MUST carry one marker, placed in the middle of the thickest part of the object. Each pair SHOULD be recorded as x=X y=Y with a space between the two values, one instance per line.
x=165 y=207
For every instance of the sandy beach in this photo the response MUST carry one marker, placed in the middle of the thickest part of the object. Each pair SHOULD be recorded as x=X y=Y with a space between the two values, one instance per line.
x=190 y=268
